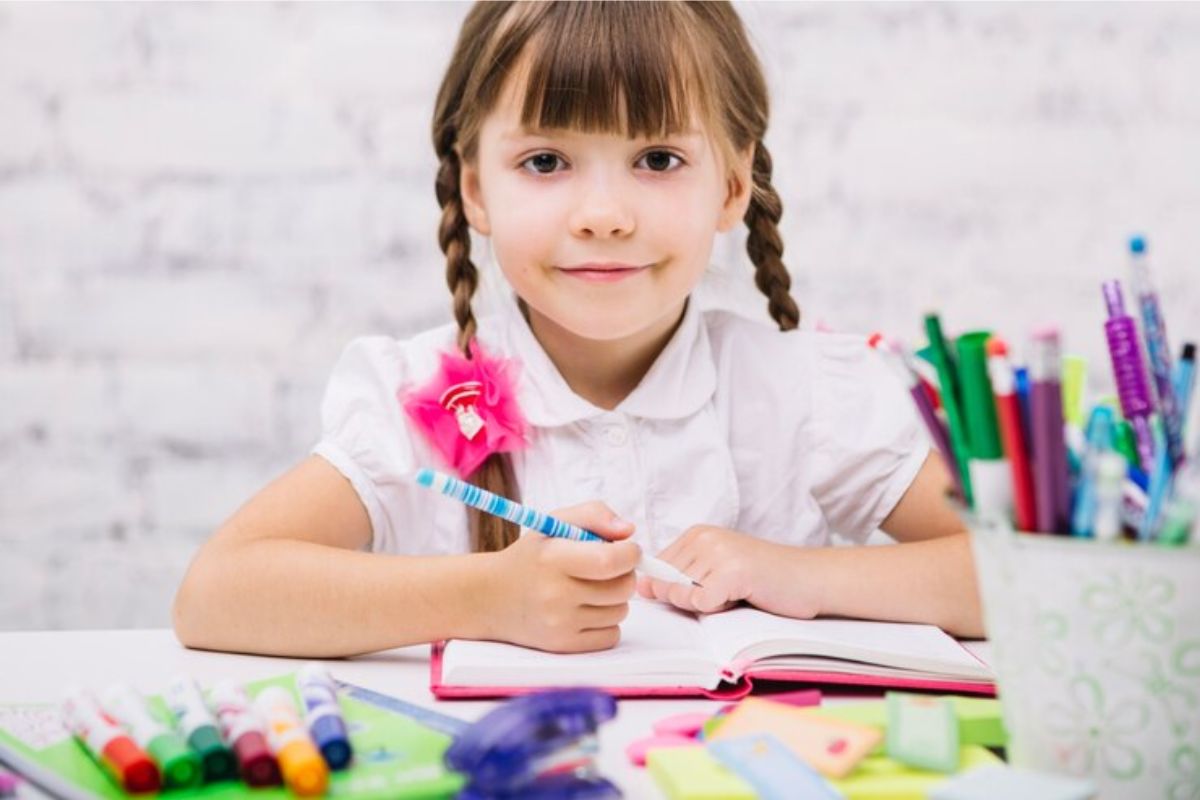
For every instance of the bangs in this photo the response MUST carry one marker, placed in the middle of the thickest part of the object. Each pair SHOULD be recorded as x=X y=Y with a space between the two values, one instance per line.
x=613 y=67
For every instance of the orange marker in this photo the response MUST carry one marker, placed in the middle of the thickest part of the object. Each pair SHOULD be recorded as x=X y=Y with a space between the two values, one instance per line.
x=303 y=768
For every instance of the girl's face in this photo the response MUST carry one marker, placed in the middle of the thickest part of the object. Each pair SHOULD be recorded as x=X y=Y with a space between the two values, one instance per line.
x=602 y=235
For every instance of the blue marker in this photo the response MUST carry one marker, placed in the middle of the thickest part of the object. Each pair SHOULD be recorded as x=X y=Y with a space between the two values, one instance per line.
x=1160 y=486
x=323 y=715
x=535 y=520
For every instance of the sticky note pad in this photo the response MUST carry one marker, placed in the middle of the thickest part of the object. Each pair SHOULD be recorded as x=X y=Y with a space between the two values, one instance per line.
x=691 y=773
x=979 y=721
x=881 y=778
x=922 y=731
x=1002 y=783
x=771 y=769
x=830 y=746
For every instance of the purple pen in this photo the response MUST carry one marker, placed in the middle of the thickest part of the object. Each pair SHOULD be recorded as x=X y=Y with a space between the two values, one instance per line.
x=1129 y=371
x=1051 y=477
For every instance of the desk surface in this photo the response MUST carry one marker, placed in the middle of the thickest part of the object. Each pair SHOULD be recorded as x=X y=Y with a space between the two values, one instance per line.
x=36 y=666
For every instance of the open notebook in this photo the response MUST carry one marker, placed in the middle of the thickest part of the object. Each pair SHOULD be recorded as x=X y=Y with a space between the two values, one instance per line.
x=665 y=651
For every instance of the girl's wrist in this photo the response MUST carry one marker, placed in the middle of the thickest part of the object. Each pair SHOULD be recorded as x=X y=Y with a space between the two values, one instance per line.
x=794 y=588
x=479 y=593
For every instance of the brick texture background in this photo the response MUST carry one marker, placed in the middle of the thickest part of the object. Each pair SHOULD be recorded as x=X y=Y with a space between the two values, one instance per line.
x=201 y=204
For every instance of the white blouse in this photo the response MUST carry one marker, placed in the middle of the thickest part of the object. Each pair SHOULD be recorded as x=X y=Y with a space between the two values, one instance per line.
x=788 y=436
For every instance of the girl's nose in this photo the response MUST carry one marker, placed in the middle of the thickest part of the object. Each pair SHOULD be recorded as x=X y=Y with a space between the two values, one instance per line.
x=602 y=212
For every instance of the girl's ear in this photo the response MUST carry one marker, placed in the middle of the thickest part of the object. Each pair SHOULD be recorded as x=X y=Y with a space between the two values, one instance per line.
x=739 y=189
x=472 y=198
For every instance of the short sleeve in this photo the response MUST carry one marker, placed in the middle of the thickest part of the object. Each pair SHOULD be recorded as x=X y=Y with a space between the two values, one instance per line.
x=364 y=435
x=868 y=441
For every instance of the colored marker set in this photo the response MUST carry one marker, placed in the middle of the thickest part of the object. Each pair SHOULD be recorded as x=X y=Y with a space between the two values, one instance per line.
x=189 y=740
x=1018 y=443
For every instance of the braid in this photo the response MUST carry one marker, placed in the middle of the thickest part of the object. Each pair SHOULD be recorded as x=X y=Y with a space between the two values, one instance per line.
x=765 y=246
x=488 y=532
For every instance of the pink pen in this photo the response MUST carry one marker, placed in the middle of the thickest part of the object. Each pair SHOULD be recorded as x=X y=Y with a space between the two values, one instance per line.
x=1129 y=371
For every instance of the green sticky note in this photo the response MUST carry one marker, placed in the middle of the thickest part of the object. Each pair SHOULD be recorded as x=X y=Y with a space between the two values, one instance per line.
x=691 y=773
x=922 y=731
x=979 y=721
x=881 y=778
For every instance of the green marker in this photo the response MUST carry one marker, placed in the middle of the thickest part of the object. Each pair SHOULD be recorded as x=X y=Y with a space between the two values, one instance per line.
x=197 y=726
x=179 y=765
x=950 y=399
x=1125 y=443
x=991 y=474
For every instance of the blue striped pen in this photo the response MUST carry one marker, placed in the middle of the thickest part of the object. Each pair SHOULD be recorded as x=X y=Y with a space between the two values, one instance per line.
x=535 y=520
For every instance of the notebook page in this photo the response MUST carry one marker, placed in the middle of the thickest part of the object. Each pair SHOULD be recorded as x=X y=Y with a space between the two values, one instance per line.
x=747 y=634
x=660 y=646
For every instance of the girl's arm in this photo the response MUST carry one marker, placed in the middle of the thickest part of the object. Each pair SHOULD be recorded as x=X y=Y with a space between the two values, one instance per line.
x=928 y=577
x=286 y=576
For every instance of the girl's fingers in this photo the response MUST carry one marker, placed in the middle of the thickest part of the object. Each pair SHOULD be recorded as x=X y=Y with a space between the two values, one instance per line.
x=613 y=591
x=600 y=617
x=595 y=639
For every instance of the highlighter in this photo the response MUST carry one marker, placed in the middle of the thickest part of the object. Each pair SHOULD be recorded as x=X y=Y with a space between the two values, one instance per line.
x=303 y=768
x=179 y=765
x=991 y=475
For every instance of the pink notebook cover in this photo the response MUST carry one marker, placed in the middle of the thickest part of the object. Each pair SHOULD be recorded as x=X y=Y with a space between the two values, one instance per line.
x=726 y=691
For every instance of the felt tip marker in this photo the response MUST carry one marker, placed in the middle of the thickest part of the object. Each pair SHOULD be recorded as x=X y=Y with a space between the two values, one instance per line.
x=129 y=765
x=1050 y=472
x=535 y=520
x=323 y=715
x=197 y=726
x=179 y=765
x=245 y=733
x=1185 y=384
x=1012 y=429
x=303 y=768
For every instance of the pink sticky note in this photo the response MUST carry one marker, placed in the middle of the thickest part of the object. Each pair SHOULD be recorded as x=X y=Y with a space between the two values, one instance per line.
x=637 y=750
x=687 y=724
x=803 y=697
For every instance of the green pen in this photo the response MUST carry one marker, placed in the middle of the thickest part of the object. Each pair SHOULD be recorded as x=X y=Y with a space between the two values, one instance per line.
x=950 y=398
x=180 y=766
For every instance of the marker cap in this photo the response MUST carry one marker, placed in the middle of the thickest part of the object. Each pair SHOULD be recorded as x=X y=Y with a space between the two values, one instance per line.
x=134 y=769
x=329 y=733
x=257 y=765
x=180 y=766
x=218 y=762
x=979 y=404
x=303 y=769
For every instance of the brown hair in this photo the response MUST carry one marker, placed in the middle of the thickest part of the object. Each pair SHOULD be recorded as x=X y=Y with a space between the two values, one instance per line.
x=639 y=69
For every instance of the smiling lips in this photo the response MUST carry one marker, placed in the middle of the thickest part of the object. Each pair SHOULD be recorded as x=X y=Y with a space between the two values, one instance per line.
x=602 y=273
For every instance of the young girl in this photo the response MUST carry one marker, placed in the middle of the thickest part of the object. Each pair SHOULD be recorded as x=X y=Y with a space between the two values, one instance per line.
x=599 y=147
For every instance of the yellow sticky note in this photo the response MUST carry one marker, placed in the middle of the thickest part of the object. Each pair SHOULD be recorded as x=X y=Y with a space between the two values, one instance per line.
x=881 y=778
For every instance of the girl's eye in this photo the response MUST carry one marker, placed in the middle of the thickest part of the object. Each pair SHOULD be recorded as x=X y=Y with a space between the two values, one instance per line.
x=659 y=160
x=541 y=163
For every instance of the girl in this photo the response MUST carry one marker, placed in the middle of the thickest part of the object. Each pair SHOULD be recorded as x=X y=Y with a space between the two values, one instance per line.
x=599 y=147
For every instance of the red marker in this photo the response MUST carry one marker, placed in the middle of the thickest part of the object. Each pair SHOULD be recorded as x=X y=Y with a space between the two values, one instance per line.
x=244 y=732
x=1012 y=432
x=128 y=764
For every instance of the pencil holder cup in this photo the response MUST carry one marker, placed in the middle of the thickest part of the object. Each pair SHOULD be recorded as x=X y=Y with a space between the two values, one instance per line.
x=1096 y=648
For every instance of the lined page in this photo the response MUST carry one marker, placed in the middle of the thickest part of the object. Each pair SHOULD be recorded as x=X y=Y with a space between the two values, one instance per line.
x=747 y=634
x=660 y=646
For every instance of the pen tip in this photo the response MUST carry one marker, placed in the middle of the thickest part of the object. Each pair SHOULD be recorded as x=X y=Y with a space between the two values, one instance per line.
x=425 y=477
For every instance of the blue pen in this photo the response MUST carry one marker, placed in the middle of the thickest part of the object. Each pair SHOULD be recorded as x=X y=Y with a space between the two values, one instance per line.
x=1154 y=330
x=1185 y=381
x=1021 y=381
x=1160 y=485
x=535 y=520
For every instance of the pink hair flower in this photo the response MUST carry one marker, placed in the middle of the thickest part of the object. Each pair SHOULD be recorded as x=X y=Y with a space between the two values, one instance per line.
x=469 y=409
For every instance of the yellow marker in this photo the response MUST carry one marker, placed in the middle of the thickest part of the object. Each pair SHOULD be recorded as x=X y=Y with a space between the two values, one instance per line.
x=304 y=771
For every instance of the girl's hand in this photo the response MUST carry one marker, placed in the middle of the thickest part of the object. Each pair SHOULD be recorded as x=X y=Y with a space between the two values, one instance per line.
x=565 y=596
x=731 y=567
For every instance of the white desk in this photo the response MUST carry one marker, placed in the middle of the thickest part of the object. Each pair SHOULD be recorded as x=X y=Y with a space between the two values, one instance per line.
x=36 y=666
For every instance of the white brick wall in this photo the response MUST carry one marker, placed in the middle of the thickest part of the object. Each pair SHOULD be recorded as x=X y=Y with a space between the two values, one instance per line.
x=200 y=204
